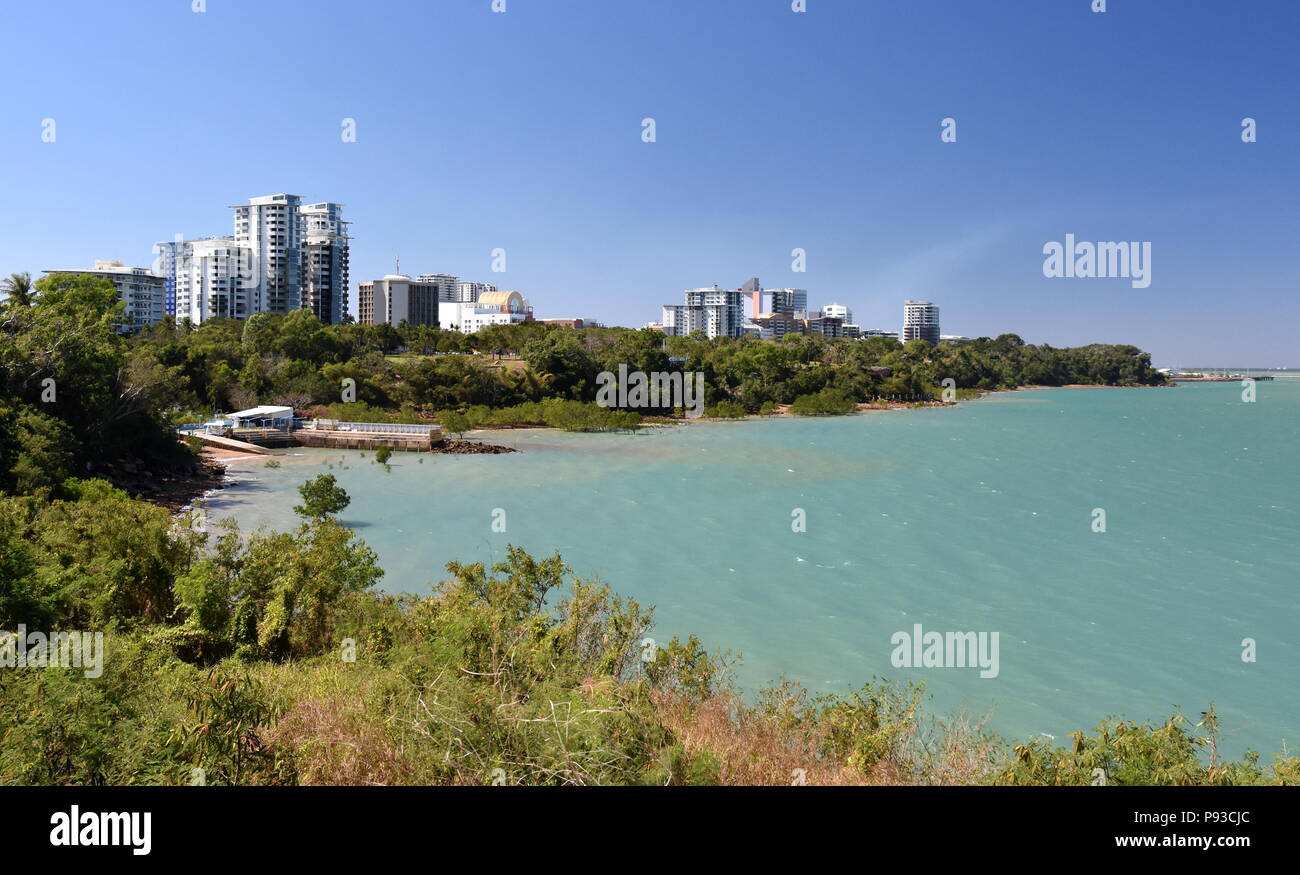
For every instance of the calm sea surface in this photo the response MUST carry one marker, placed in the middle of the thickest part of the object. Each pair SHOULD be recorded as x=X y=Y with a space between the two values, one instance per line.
x=973 y=518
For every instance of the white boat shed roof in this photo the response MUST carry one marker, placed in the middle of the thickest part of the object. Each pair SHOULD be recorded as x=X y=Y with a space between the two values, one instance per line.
x=263 y=413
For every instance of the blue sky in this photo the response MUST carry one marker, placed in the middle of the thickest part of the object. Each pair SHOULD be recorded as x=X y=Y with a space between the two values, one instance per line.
x=775 y=130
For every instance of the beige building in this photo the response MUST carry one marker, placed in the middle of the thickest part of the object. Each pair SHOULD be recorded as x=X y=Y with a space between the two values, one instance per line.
x=396 y=298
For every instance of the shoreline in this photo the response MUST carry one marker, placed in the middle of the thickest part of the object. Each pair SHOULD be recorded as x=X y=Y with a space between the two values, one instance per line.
x=184 y=489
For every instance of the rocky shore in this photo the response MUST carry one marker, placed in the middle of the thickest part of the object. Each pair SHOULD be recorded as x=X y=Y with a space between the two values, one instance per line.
x=173 y=489
x=469 y=448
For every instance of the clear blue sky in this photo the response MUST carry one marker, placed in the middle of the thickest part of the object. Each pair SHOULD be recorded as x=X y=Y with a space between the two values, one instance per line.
x=776 y=130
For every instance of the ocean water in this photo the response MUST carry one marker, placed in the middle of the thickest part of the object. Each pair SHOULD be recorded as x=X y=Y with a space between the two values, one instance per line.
x=977 y=518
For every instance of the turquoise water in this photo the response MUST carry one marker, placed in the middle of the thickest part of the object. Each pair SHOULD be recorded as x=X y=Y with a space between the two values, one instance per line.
x=977 y=517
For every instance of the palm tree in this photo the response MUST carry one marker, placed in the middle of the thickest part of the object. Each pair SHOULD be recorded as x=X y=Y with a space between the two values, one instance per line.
x=18 y=288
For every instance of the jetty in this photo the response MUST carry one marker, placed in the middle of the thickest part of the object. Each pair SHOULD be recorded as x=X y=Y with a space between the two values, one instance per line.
x=261 y=428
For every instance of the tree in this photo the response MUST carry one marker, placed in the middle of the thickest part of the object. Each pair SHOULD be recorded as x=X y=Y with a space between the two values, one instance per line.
x=17 y=288
x=321 y=497
x=455 y=422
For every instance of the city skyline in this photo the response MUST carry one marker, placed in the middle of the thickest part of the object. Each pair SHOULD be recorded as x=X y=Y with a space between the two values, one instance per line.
x=831 y=146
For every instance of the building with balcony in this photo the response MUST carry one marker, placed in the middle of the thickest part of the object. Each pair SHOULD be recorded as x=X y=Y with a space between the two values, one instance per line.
x=324 y=261
x=716 y=311
x=142 y=292
x=920 y=321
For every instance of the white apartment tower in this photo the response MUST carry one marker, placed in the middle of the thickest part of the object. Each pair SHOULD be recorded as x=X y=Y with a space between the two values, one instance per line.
x=469 y=293
x=211 y=278
x=269 y=227
x=716 y=311
x=920 y=321
x=446 y=284
x=283 y=255
x=324 y=261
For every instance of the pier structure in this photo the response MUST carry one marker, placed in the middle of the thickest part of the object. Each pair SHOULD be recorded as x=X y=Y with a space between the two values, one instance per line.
x=321 y=433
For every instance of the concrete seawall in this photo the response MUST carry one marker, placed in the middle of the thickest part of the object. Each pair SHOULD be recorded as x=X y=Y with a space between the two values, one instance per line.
x=418 y=441
x=348 y=440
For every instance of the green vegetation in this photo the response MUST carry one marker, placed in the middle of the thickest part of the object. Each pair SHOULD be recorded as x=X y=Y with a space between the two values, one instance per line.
x=725 y=410
x=554 y=412
x=827 y=402
x=383 y=454
x=322 y=497
x=296 y=360
x=269 y=658
x=74 y=395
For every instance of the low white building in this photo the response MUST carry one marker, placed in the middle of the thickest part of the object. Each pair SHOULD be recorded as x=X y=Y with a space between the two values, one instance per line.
x=262 y=417
x=491 y=308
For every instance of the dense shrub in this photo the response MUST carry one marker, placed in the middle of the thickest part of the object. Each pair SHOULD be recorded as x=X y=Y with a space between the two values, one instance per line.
x=827 y=402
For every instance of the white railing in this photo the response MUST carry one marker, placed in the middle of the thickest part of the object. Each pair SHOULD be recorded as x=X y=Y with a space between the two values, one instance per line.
x=422 y=429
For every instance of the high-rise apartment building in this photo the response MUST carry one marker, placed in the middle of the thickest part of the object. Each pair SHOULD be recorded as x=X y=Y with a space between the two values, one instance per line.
x=269 y=227
x=448 y=286
x=165 y=266
x=324 y=261
x=791 y=302
x=211 y=278
x=283 y=255
x=141 y=291
x=469 y=293
x=920 y=321
x=716 y=311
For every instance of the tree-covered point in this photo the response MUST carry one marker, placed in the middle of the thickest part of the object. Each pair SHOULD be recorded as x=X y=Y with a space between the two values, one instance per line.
x=414 y=374
x=74 y=393
x=75 y=390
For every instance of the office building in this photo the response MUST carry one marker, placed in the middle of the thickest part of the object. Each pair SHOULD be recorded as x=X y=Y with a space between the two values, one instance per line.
x=396 y=299
x=773 y=326
x=820 y=323
x=791 y=302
